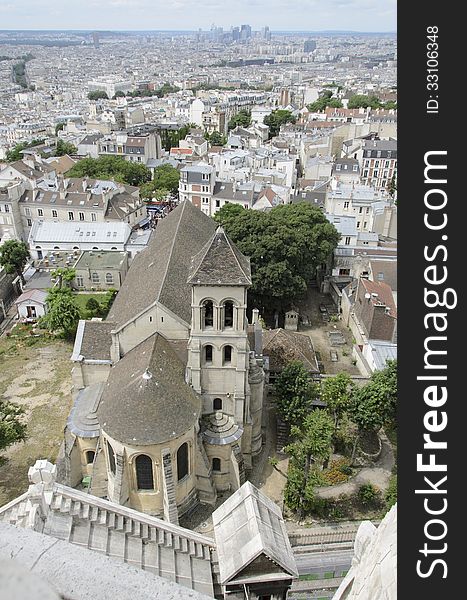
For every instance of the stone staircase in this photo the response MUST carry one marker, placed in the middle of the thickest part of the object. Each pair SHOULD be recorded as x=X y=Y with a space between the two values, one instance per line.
x=282 y=435
x=145 y=542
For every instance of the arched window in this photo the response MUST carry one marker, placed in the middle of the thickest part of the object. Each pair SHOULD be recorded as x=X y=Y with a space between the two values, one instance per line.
x=208 y=310
x=217 y=404
x=144 y=475
x=228 y=314
x=182 y=461
x=111 y=453
x=208 y=354
x=109 y=278
x=95 y=277
x=227 y=354
x=216 y=464
x=90 y=456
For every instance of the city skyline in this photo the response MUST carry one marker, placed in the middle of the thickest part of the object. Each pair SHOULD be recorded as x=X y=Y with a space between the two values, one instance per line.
x=176 y=15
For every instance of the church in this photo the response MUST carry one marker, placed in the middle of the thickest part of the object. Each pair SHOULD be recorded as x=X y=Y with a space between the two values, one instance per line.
x=168 y=393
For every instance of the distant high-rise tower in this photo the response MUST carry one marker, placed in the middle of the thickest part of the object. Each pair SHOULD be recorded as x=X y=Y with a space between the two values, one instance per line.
x=309 y=46
x=266 y=33
x=235 y=34
x=245 y=32
x=95 y=39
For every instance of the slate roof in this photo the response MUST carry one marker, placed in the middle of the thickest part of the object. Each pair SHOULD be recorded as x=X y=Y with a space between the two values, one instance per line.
x=385 y=270
x=96 y=340
x=160 y=271
x=383 y=294
x=146 y=400
x=246 y=526
x=282 y=346
x=220 y=262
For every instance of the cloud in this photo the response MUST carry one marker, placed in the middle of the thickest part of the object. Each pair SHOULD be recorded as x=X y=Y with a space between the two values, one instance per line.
x=305 y=15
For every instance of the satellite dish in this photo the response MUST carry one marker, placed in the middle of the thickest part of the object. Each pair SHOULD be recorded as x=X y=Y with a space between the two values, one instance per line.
x=367 y=296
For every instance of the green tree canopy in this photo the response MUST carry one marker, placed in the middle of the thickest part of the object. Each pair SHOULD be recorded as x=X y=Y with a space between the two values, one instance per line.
x=337 y=393
x=325 y=99
x=12 y=427
x=63 y=148
x=241 y=119
x=165 y=181
x=63 y=275
x=98 y=95
x=59 y=127
x=311 y=447
x=13 y=257
x=62 y=311
x=15 y=152
x=118 y=94
x=363 y=101
x=374 y=404
x=216 y=139
x=276 y=119
x=111 y=167
x=295 y=393
x=285 y=246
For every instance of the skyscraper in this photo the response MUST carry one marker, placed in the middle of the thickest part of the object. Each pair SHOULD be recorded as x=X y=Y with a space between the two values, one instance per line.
x=309 y=46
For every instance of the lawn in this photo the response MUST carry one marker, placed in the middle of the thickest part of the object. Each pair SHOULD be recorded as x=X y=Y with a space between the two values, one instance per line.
x=36 y=373
x=81 y=300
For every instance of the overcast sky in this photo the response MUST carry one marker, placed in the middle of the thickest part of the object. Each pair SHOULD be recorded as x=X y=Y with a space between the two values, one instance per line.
x=301 y=15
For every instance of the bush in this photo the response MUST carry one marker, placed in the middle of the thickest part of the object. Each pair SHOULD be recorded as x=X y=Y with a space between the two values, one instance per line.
x=368 y=494
x=92 y=305
x=390 y=496
x=273 y=461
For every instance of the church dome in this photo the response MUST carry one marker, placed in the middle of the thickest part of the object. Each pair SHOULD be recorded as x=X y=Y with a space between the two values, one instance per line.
x=146 y=400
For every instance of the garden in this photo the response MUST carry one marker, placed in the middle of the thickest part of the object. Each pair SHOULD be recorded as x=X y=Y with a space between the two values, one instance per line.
x=342 y=462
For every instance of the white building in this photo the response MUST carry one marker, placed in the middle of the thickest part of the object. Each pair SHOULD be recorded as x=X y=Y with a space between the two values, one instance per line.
x=47 y=237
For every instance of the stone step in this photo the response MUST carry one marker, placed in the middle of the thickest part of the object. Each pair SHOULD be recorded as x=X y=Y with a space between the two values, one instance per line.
x=167 y=563
x=116 y=544
x=134 y=551
x=151 y=557
x=98 y=538
x=183 y=569
x=81 y=532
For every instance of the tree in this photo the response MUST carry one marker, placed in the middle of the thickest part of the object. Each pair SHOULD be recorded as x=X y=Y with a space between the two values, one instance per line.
x=337 y=393
x=63 y=148
x=362 y=101
x=286 y=245
x=59 y=127
x=322 y=103
x=16 y=152
x=12 y=428
x=166 y=177
x=93 y=306
x=216 y=139
x=98 y=95
x=13 y=257
x=276 y=119
x=241 y=119
x=374 y=404
x=311 y=447
x=62 y=311
x=63 y=275
x=325 y=99
x=295 y=392
x=118 y=94
x=111 y=167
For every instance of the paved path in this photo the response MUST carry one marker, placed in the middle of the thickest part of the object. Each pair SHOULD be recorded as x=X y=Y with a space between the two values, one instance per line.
x=378 y=475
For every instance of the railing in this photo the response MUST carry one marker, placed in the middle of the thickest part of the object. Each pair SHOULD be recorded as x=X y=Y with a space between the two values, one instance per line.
x=134 y=515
